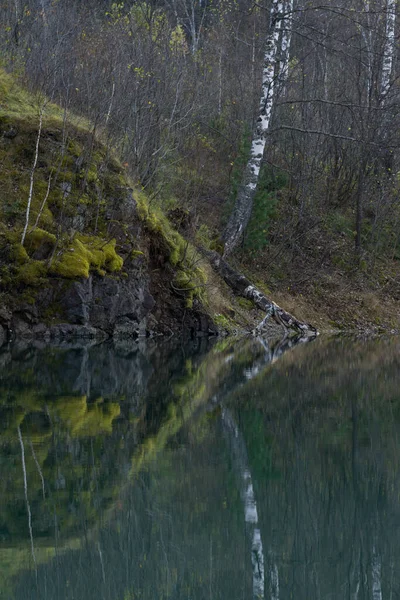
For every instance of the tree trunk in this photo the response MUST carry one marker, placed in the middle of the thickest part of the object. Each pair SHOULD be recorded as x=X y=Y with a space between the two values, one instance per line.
x=359 y=206
x=390 y=47
x=244 y=201
x=285 y=43
x=243 y=287
x=32 y=177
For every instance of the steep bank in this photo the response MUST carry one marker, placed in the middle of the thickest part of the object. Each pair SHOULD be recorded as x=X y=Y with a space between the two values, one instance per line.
x=81 y=252
x=94 y=257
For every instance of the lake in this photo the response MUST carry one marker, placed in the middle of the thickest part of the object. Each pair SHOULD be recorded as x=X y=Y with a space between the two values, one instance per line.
x=222 y=470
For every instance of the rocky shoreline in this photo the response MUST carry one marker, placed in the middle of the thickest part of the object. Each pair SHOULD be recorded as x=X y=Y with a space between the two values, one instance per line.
x=100 y=309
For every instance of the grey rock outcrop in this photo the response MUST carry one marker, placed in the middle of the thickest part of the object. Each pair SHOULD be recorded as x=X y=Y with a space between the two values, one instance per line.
x=3 y=336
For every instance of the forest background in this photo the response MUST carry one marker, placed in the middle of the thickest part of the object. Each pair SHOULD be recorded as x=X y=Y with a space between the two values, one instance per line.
x=173 y=88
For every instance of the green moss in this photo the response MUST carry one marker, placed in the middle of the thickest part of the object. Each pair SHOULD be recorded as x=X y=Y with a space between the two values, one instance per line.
x=19 y=254
x=18 y=102
x=182 y=280
x=223 y=322
x=75 y=148
x=135 y=254
x=84 y=254
x=244 y=303
x=74 y=262
x=38 y=238
x=191 y=282
x=204 y=236
x=157 y=223
x=32 y=273
x=190 y=279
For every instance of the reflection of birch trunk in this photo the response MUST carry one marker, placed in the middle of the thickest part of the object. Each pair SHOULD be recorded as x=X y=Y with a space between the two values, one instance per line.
x=376 y=575
x=273 y=579
x=28 y=507
x=239 y=378
x=220 y=82
x=240 y=460
x=39 y=469
x=355 y=569
x=244 y=202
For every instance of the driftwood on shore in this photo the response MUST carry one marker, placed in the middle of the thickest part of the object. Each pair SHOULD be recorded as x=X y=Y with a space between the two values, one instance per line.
x=243 y=287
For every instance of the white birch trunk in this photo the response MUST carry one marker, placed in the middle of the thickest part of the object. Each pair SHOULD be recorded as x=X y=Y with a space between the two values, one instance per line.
x=30 y=195
x=389 y=49
x=244 y=202
x=367 y=37
x=287 y=28
x=243 y=287
x=220 y=83
x=43 y=204
x=239 y=452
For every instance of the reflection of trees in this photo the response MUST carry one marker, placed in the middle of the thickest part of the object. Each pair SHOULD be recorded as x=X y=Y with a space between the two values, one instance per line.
x=173 y=534
x=323 y=445
x=76 y=416
x=90 y=419
x=238 y=453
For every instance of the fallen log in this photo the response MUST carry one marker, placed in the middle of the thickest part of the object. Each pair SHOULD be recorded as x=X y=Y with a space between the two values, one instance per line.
x=243 y=287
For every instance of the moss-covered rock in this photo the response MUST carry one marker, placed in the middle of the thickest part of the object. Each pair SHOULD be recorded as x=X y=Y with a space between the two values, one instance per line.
x=32 y=273
x=37 y=239
x=87 y=227
x=86 y=253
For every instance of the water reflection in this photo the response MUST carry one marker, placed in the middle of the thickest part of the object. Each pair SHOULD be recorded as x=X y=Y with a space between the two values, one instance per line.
x=149 y=472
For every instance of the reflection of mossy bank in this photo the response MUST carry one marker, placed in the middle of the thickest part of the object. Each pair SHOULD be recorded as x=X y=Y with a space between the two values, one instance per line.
x=323 y=457
x=91 y=420
x=80 y=447
x=158 y=542
x=93 y=450
x=197 y=388
x=91 y=252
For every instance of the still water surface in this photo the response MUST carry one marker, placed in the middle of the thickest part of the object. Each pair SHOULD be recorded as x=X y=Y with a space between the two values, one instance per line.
x=225 y=472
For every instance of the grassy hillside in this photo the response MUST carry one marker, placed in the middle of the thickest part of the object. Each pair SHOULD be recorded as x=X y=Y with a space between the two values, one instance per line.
x=69 y=233
x=85 y=219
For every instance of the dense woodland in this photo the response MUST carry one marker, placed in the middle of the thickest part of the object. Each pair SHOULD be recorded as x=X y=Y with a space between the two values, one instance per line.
x=173 y=87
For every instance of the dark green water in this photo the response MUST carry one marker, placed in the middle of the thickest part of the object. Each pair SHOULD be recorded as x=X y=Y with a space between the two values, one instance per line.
x=225 y=472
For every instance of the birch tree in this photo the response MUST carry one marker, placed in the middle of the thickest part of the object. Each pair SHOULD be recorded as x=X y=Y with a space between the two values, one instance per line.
x=280 y=16
x=389 y=48
x=32 y=176
x=287 y=27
